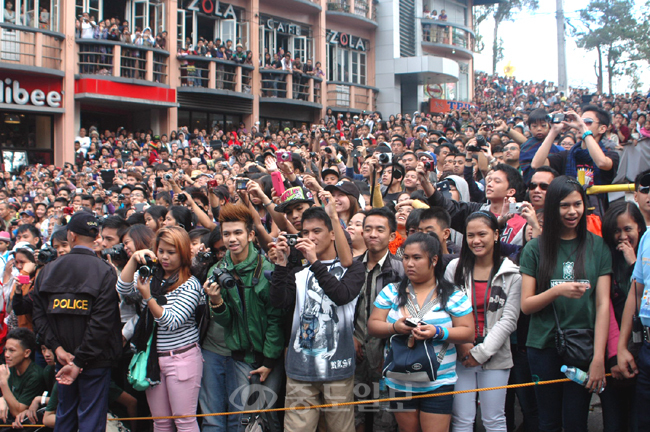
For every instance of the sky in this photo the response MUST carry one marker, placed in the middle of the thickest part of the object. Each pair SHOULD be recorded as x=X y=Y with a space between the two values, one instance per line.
x=530 y=45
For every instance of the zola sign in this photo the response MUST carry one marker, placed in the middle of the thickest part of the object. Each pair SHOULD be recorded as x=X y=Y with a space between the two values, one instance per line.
x=345 y=40
x=213 y=7
x=12 y=93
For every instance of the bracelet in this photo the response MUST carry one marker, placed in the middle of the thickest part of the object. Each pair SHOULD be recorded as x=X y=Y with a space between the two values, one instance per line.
x=508 y=131
x=147 y=300
x=394 y=329
x=493 y=160
x=586 y=134
x=268 y=204
x=445 y=333
x=216 y=306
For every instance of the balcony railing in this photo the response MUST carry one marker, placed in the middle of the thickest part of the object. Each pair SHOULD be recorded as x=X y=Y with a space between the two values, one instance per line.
x=216 y=74
x=116 y=59
x=351 y=96
x=362 y=8
x=286 y=85
x=446 y=33
x=27 y=46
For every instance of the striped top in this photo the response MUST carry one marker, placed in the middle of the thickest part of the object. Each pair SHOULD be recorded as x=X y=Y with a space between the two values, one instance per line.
x=177 y=326
x=458 y=305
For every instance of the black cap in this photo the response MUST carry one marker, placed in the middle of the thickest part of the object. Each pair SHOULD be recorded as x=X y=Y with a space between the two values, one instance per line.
x=84 y=223
x=345 y=187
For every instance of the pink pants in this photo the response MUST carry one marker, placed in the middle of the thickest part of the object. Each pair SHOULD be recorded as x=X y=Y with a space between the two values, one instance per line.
x=178 y=391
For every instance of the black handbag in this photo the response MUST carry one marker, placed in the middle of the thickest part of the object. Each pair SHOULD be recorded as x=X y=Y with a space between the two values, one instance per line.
x=575 y=346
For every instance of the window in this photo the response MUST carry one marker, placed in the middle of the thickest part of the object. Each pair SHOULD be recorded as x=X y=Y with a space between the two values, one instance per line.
x=193 y=24
x=346 y=65
x=43 y=14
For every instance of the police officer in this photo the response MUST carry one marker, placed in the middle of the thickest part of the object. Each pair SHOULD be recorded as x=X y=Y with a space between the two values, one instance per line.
x=76 y=314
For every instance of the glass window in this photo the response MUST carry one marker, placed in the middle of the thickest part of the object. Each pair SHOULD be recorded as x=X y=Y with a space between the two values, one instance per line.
x=183 y=118
x=362 y=68
x=228 y=31
x=199 y=120
x=355 y=67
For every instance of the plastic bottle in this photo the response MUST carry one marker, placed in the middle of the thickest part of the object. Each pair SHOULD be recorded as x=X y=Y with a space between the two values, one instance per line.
x=576 y=375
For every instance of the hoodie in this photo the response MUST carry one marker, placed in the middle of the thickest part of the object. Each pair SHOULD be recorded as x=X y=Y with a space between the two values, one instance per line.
x=461 y=186
x=501 y=316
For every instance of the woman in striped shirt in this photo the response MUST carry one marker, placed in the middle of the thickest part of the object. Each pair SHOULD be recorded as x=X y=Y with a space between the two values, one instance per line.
x=444 y=315
x=170 y=298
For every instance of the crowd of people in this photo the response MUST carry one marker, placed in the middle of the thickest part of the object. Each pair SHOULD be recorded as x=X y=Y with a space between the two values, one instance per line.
x=363 y=257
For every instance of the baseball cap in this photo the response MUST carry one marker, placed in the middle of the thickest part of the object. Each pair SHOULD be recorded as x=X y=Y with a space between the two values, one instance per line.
x=330 y=171
x=84 y=223
x=345 y=187
x=294 y=195
x=4 y=236
x=23 y=246
x=27 y=212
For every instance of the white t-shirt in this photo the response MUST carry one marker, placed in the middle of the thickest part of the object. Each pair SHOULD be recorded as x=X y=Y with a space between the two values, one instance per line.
x=85 y=143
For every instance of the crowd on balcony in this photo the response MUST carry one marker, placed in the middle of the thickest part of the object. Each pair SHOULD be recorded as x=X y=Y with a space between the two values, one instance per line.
x=311 y=256
x=274 y=85
x=112 y=29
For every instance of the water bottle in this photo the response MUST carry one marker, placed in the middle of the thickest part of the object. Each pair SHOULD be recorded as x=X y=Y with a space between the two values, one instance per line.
x=576 y=375
x=383 y=394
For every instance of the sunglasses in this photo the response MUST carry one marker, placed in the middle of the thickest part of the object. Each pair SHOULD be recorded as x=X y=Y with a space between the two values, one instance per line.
x=588 y=121
x=513 y=148
x=644 y=190
x=542 y=186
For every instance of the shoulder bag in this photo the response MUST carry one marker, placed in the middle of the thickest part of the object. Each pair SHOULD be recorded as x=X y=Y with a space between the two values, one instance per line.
x=575 y=346
x=137 y=376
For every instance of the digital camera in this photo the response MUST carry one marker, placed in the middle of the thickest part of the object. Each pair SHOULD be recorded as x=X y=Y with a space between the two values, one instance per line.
x=117 y=253
x=47 y=254
x=146 y=270
x=284 y=157
x=292 y=239
x=223 y=278
x=385 y=158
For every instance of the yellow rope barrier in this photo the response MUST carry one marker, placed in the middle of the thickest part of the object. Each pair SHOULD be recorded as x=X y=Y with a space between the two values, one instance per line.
x=343 y=404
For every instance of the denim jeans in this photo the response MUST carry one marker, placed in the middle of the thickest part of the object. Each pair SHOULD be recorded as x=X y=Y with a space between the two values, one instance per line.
x=560 y=405
x=217 y=385
x=642 y=401
x=269 y=391
x=520 y=374
x=618 y=406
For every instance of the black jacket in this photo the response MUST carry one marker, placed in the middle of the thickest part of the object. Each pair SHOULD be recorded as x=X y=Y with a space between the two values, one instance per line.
x=76 y=307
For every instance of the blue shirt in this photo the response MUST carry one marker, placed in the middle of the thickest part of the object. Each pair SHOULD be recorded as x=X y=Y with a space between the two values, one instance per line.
x=642 y=275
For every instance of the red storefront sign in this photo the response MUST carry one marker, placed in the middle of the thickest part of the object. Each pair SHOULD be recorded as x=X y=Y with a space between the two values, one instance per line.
x=38 y=91
x=444 y=106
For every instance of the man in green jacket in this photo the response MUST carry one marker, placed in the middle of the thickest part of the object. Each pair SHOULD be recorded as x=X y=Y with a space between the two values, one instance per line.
x=253 y=328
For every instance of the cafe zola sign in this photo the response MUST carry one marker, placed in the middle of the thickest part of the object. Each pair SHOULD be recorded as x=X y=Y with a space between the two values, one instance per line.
x=213 y=7
x=283 y=27
x=345 y=40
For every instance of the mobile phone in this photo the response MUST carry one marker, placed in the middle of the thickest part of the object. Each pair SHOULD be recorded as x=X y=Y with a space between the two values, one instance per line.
x=241 y=183
x=278 y=184
x=412 y=322
x=159 y=183
x=139 y=207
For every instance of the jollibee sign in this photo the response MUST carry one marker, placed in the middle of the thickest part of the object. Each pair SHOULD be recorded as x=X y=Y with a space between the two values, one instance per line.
x=29 y=90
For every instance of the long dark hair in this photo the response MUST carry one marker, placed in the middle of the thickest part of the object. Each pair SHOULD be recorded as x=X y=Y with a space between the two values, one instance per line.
x=183 y=217
x=430 y=244
x=610 y=225
x=550 y=240
x=467 y=258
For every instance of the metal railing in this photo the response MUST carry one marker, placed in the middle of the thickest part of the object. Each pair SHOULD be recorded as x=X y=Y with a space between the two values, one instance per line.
x=352 y=96
x=30 y=46
x=213 y=73
x=287 y=85
x=362 y=8
x=116 y=59
x=446 y=33
x=338 y=6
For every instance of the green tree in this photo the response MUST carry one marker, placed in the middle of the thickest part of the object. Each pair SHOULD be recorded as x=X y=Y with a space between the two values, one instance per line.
x=502 y=12
x=611 y=29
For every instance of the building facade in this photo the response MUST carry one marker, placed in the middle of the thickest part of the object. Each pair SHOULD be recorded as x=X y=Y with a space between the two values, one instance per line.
x=62 y=69
x=425 y=50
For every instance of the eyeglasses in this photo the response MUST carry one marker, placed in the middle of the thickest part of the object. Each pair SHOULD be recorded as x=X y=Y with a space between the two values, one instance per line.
x=513 y=148
x=542 y=186
x=589 y=121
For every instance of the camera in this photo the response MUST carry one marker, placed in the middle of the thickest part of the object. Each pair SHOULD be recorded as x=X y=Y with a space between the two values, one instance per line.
x=412 y=322
x=181 y=198
x=236 y=149
x=557 y=118
x=121 y=197
x=385 y=158
x=240 y=184
x=292 y=239
x=429 y=166
x=284 y=157
x=213 y=184
x=68 y=211
x=146 y=270
x=481 y=141
x=117 y=253
x=313 y=155
x=47 y=254
x=168 y=177
x=223 y=278
x=204 y=257
x=515 y=208
x=328 y=150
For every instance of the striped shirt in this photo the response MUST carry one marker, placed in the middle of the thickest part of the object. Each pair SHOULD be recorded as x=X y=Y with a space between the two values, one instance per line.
x=177 y=325
x=458 y=305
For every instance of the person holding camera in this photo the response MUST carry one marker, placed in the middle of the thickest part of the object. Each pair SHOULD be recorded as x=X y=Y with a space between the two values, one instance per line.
x=320 y=358
x=76 y=314
x=493 y=285
x=242 y=314
x=170 y=296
